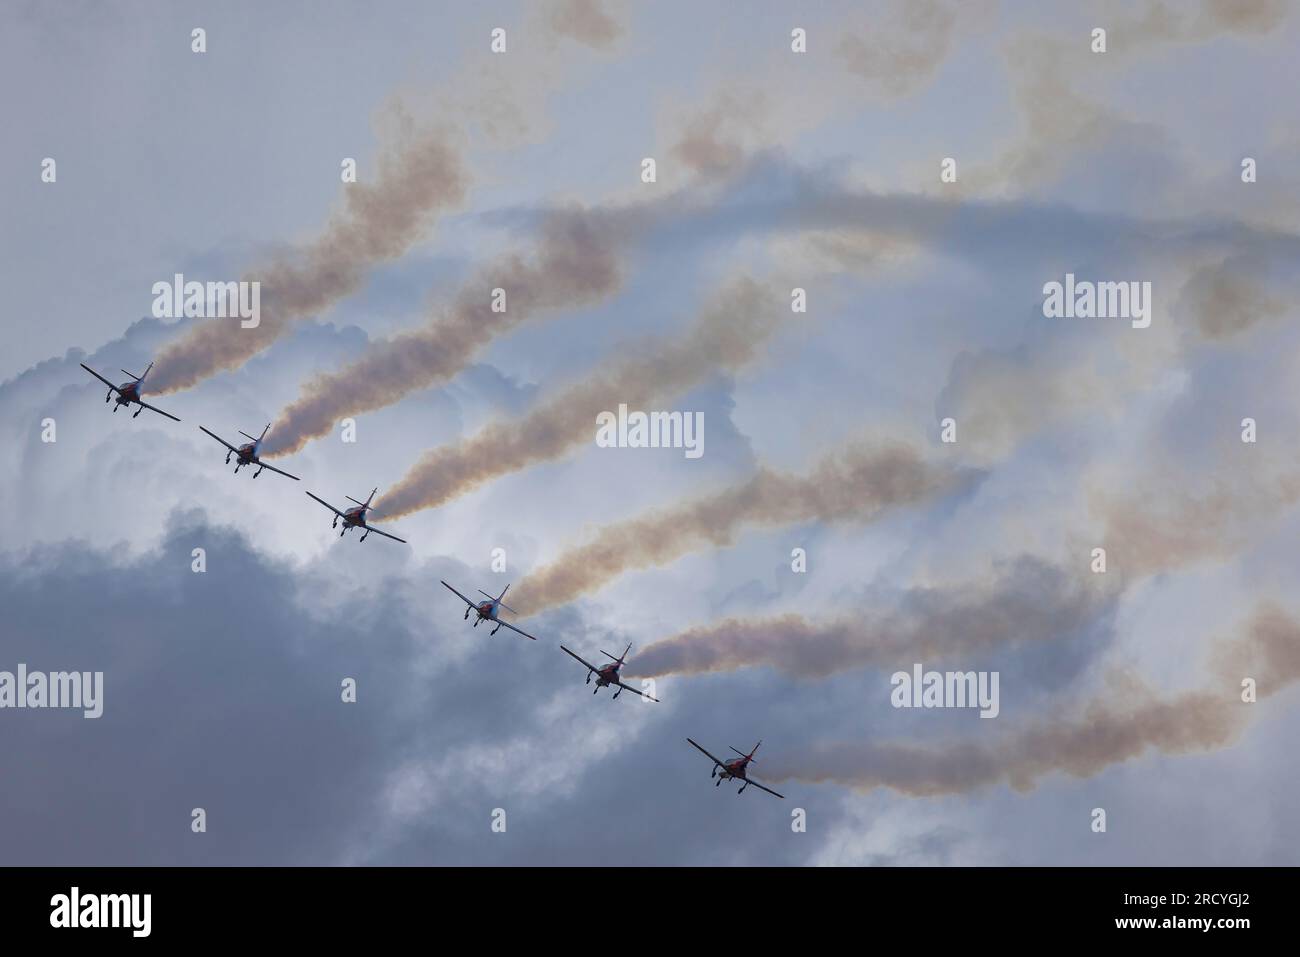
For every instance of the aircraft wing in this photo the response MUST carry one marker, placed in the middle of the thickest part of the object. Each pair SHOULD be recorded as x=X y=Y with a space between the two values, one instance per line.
x=707 y=755
x=460 y=596
x=762 y=788
x=506 y=624
x=219 y=439
x=635 y=691
x=100 y=377
x=327 y=505
x=590 y=666
x=369 y=528
x=154 y=408
x=263 y=465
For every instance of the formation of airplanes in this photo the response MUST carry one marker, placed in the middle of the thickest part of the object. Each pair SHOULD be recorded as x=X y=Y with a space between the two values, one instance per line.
x=488 y=609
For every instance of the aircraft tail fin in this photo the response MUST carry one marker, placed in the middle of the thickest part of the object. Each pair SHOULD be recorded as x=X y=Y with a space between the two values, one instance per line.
x=750 y=756
x=366 y=503
x=497 y=598
x=258 y=438
x=138 y=378
x=622 y=657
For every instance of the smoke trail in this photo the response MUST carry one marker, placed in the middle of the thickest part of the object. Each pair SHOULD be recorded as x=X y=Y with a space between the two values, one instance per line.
x=904 y=49
x=1059 y=121
x=728 y=335
x=1118 y=727
x=573 y=265
x=1158 y=23
x=585 y=21
x=1027 y=599
x=422 y=176
x=1189 y=521
x=855 y=483
x=1232 y=296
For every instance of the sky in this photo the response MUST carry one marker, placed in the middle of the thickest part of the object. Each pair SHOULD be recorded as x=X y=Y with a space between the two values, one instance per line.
x=917 y=469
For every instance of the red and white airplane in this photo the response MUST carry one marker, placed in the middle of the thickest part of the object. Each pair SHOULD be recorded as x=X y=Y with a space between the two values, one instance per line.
x=246 y=454
x=489 y=610
x=608 y=674
x=128 y=392
x=355 y=517
x=735 y=768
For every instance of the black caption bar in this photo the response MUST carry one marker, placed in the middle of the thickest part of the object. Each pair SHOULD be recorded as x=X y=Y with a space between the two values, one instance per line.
x=335 y=905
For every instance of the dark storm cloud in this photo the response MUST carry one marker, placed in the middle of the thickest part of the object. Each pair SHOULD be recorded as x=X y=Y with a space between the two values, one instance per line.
x=223 y=692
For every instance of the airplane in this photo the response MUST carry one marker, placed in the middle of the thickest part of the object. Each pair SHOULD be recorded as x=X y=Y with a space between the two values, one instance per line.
x=607 y=674
x=246 y=454
x=355 y=517
x=489 y=610
x=735 y=768
x=128 y=392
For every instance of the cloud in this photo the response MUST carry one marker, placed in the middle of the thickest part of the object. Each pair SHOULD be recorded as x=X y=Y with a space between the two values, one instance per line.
x=222 y=690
